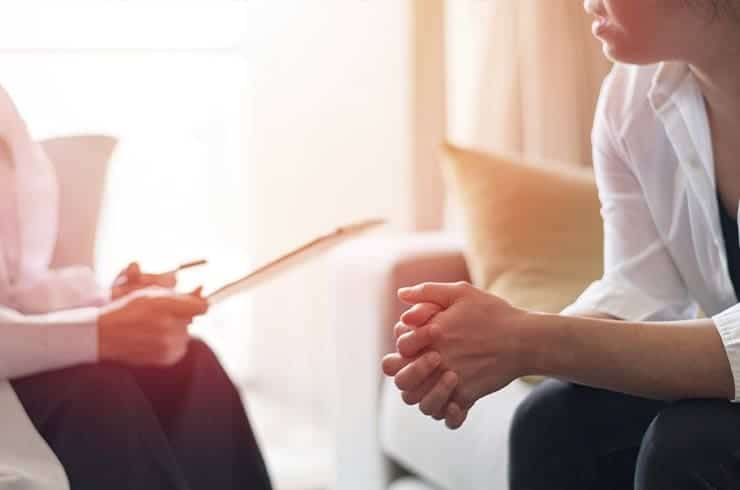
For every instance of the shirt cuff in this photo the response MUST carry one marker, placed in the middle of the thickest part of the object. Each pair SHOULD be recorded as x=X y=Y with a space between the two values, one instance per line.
x=75 y=343
x=39 y=343
x=728 y=326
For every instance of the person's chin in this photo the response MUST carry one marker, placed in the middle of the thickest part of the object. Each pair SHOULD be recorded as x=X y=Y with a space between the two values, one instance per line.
x=619 y=47
x=612 y=53
x=620 y=54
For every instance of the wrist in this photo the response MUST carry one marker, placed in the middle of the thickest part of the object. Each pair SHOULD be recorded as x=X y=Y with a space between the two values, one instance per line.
x=104 y=344
x=543 y=344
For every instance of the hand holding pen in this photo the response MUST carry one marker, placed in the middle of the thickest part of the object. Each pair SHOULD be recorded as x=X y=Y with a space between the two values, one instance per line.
x=166 y=316
x=132 y=278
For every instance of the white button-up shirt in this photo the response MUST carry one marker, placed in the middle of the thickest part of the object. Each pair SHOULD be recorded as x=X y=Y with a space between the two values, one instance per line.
x=664 y=255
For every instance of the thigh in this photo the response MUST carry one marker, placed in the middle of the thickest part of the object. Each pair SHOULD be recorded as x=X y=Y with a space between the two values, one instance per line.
x=568 y=436
x=205 y=421
x=691 y=444
x=194 y=389
x=101 y=427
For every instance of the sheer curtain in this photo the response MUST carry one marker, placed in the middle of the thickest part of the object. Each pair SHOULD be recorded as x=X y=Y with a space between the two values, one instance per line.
x=524 y=77
x=168 y=81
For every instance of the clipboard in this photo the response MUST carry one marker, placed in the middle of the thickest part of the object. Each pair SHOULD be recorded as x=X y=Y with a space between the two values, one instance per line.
x=294 y=258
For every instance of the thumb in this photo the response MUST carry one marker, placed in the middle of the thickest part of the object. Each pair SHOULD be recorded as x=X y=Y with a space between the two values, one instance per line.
x=133 y=272
x=129 y=274
x=442 y=294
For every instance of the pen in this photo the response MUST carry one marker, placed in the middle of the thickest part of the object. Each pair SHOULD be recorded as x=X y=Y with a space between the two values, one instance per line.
x=187 y=265
x=122 y=279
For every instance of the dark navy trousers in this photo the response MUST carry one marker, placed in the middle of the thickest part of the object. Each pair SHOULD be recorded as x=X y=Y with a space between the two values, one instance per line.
x=174 y=428
x=567 y=436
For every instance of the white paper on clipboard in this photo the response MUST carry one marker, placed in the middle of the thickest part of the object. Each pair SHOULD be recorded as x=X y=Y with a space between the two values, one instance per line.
x=296 y=257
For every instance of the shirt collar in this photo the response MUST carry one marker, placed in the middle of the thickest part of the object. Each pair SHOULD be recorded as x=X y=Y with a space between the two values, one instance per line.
x=677 y=99
x=666 y=82
x=675 y=93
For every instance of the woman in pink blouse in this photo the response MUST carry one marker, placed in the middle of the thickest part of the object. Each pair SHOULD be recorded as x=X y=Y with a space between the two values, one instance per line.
x=109 y=376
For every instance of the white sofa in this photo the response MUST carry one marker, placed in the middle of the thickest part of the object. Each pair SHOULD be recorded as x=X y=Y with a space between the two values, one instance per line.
x=382 y=443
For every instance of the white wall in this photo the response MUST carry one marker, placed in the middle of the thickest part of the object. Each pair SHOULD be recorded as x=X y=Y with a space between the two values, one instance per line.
x=169 y=91
x=328 y=142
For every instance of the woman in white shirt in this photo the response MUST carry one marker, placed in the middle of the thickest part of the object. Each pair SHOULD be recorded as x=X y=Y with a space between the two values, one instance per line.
x=108 y=376
x=644 y=390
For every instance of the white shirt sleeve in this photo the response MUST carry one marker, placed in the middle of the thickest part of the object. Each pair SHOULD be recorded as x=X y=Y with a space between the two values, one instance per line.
x=640 y=281
x=728 y=326
x=32 y=344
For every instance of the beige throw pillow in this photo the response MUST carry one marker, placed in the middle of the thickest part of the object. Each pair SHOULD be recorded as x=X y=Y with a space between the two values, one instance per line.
x=534 y=231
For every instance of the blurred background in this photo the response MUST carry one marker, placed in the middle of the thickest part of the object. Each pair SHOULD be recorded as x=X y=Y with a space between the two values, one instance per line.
x=247 y=127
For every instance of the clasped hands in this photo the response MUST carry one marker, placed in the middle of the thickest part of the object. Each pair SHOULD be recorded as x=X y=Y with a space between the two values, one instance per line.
x=455 y=345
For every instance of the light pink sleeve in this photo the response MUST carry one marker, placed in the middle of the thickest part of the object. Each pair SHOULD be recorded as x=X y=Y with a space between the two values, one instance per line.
x=47 y=317
x=60 y=289
x=33 y=344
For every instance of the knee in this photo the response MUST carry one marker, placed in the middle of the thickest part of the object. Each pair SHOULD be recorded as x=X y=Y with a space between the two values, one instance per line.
x=547 y=417
x=200 y=359
x=676 y=445
x=101 y=392
x=200 y=353
x=546 y=433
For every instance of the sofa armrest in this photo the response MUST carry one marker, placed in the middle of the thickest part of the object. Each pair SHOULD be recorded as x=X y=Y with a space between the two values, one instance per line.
x=81 y=165
x=365 y=276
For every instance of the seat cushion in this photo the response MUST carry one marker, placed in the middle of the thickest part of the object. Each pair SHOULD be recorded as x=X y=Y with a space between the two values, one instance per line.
x=410 y=483
x=471 y=458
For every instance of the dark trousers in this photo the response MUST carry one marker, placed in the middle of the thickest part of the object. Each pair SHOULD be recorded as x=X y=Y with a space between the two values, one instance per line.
x=174 y=428
x=566 y=436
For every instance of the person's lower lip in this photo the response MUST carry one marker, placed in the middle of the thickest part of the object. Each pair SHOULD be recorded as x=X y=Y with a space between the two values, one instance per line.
x=599 y=26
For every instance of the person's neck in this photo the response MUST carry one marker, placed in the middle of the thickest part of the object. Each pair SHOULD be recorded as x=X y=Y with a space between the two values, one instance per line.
x=717 y=70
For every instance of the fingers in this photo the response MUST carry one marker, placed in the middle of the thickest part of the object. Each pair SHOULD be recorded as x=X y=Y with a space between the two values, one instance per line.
x=420 y=314
x=184 y=305
x=393 y=363
x=435 y=401
x=400 y=329
x=442 y=294
x=133 y=271
x=174 y=355
x=166 y=280
x=173 y=339
x=414 y=397
x=130 y=274
x=455 y=416
x=415 y=373
x=172 y=348
x=410 y=344
x=173 y=324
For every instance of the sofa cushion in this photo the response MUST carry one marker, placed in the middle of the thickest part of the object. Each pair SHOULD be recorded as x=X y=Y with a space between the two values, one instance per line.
x=533 y=229
x=410 y=483
x=473 y=457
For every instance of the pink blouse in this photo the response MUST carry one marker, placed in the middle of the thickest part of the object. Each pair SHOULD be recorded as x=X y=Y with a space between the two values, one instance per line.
x=48 y=317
